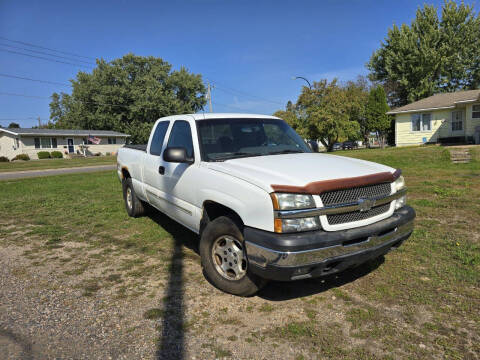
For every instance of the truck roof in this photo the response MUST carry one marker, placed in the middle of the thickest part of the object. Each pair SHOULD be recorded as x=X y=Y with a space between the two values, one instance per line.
x=211 y=116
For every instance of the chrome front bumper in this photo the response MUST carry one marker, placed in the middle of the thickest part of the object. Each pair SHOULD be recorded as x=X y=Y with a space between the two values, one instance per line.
x=276 y=253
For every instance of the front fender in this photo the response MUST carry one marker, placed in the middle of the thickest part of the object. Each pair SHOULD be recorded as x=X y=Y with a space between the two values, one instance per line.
x=251 y=203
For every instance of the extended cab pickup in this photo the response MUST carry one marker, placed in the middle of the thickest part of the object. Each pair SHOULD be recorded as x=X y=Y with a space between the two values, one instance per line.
x=265 y=206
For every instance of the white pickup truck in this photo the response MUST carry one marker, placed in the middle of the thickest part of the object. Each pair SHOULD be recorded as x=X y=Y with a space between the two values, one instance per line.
x=265 y=206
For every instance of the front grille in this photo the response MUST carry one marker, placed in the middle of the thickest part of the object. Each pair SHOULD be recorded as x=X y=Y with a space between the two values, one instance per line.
x=352 y=195
x=357 y=215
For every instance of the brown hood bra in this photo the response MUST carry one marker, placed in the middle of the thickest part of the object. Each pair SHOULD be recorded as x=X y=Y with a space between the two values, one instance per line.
x=319 y=187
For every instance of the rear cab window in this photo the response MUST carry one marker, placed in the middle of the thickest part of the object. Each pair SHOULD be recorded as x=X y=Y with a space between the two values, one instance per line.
x=158 y=138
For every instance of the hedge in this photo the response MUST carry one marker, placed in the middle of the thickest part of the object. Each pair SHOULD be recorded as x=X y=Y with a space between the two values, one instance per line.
x=43 y=155
x=56 y=155
x=4 y=159
x=21 y=157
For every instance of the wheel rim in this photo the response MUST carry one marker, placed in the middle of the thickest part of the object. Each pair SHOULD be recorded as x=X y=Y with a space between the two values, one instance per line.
x=129 y=198
x=229 y=258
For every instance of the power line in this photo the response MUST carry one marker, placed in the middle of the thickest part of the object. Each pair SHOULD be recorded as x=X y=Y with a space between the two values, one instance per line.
x=222 y=87
x=36 y=80
x=43 y=58
x=241 y=93
x=44 y=53
x=23 y=95
x=45 y=48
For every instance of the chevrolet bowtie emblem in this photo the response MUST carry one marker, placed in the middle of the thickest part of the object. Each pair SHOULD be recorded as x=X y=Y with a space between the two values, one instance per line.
x=365 y=204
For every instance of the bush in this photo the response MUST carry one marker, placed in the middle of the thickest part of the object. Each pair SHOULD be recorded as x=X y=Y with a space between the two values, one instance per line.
x=108 y=153
x=21 y=157
x=43 y=155
x=4 y=159
x=56 y=155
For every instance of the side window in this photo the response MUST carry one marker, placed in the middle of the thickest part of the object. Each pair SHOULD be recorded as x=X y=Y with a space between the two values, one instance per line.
x=181 y=136
x=158 y=137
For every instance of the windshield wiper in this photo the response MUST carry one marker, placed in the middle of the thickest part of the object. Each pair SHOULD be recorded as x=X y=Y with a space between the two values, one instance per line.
x=289 y=151
x=237 y=155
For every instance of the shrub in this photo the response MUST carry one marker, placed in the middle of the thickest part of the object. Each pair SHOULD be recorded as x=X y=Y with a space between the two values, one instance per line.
x=107 y=154
x=21 y=157
x=43 y=155
x=4 y=159
x=56 y=155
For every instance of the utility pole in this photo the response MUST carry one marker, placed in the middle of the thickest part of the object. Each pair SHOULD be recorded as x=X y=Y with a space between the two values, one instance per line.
x=39 y=122
x=209 y=96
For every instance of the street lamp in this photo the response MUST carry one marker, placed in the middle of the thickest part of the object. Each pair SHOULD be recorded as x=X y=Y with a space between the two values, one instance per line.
x=301 y=77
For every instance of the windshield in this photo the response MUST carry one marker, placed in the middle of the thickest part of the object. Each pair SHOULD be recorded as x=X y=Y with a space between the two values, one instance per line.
x=223 y=139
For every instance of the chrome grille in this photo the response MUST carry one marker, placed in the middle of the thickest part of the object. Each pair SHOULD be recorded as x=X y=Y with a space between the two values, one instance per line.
x=352 y=195
x=357 y=215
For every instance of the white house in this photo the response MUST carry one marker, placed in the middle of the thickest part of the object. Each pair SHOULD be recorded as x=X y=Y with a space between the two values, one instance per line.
x=30 y=141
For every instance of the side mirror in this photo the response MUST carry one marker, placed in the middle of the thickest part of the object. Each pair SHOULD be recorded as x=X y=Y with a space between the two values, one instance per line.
x=176 y=155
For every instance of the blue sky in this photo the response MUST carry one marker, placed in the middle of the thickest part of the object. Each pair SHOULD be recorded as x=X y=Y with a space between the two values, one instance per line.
x=251 y=49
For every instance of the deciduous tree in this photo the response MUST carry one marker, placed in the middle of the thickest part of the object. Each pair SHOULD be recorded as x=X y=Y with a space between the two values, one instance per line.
x=431 y=55
x=128 y=95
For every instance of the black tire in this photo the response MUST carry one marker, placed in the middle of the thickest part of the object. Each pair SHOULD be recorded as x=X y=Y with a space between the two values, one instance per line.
x=134 y=205
x=214 y=231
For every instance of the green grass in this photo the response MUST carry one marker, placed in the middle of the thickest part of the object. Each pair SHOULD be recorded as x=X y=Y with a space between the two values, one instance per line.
x=426 y=292
x=56 y=163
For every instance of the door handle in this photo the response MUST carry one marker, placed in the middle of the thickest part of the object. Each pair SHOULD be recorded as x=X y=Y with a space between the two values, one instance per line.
x=161 y=170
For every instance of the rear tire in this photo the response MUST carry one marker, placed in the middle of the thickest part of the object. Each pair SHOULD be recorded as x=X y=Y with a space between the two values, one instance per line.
x=224 y=260
x=133 y=204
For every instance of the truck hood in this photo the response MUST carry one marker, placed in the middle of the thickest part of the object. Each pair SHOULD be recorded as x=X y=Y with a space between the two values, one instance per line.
x=296 y=169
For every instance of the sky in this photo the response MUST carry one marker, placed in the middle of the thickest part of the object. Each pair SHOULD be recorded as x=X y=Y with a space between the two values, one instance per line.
x=249 y=50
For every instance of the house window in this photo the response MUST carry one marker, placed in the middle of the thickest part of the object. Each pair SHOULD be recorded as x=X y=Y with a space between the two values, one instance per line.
x=45 y=143
x=476 y=112
x=421 y=122
x=112 y=140
x=457 y=121
x=17 y=143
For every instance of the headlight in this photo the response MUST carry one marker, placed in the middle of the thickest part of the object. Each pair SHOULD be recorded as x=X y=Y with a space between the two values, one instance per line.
x=283 y=201
x=399 y=184
x=295 y=225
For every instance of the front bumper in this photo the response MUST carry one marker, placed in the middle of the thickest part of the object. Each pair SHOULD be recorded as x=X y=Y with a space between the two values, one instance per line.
x=287 y=257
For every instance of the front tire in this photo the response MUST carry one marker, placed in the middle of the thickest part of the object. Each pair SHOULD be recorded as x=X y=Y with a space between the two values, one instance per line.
x=133 y=204
x=224 y=260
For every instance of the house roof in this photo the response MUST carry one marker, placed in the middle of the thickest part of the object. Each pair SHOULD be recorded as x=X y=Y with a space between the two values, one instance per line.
x=440 y=101
x=62 y=132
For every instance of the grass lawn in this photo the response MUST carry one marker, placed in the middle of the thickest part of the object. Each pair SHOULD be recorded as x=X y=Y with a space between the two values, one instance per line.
x=56 y=163
x=421 y=301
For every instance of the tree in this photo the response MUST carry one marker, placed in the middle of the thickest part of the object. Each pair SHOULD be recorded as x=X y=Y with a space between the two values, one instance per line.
x=127 y=95
x=358 y=94
x=429 y=56
x=323 y=113
x=289 y=115
x=13 y=125
x=376 y=113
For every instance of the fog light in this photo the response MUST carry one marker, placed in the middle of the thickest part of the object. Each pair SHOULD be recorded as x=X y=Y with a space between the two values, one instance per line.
x=300 y=224
x=401 y=202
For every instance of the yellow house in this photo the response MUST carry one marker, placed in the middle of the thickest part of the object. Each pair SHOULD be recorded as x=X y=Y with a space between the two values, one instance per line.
x=15 y=141
x=441 y=118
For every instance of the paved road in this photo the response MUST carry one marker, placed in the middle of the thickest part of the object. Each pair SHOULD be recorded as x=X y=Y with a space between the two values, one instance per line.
x=48 y=172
